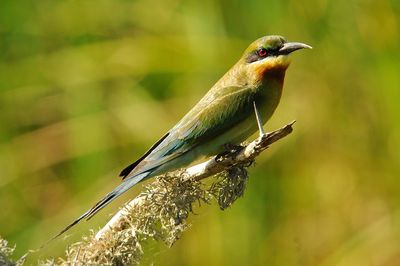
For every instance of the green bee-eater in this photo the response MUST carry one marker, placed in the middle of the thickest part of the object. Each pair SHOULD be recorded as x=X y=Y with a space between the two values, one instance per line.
x=225 y=115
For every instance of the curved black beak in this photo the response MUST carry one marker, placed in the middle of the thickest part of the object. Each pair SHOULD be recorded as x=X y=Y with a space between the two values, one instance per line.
x=290 y=47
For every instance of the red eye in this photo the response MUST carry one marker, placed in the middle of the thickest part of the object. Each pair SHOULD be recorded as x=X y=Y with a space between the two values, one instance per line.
x=262 y=52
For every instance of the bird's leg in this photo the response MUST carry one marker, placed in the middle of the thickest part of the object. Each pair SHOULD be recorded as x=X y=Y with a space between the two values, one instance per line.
x=259 y=120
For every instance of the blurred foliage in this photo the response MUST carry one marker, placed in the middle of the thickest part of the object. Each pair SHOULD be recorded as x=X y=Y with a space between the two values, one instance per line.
x=87 y=86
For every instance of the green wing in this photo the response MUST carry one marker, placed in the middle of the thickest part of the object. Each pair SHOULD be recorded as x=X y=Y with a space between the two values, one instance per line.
x=216 y=113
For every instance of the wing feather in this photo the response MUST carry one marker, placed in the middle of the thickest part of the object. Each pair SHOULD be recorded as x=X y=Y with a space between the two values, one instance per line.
x=212 y=116
x=125 y=172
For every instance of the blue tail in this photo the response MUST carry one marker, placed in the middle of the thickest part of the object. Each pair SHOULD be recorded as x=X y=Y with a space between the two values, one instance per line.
x=127 y=184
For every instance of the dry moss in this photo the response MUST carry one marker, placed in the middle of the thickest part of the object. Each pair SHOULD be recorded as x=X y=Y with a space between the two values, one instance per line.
x=162 y=216
x=5 y=253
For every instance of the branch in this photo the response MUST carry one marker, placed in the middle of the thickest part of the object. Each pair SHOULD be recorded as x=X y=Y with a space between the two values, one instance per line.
x=160 y=212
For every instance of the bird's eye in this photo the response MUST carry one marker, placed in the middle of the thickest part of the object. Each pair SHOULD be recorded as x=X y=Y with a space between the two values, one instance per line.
x=262 y=52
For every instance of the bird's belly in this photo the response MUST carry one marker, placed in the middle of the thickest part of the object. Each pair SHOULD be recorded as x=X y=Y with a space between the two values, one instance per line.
x=235 y=135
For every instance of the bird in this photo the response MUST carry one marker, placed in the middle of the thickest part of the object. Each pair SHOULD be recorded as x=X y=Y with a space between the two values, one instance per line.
x=225 y=115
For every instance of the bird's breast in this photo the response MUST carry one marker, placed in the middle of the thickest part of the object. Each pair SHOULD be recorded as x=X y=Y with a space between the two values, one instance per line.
x=267 y=97
x=268 y=94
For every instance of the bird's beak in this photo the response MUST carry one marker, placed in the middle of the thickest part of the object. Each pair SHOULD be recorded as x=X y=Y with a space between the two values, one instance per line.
x=290 y=47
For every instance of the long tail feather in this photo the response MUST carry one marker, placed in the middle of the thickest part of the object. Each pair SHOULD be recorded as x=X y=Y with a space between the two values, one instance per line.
x=127 y=184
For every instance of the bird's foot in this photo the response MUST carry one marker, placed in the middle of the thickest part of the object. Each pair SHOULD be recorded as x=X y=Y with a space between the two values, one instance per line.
x=230 y=150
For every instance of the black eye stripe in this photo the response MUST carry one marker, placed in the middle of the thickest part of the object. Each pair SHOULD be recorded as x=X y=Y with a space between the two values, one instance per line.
x=259 y=54
x=252 y=57
x=255 y=55
x=275 y=51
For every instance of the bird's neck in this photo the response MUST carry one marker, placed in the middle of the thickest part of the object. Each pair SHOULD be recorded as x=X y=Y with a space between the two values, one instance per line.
x=271 y=71
x=275 y=76
x=269 y=92
x=242 y=75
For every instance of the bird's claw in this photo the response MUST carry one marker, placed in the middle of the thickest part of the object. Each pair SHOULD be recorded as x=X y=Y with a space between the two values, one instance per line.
x=230 y=150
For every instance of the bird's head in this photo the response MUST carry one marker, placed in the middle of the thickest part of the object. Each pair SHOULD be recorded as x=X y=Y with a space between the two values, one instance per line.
x=269 y=54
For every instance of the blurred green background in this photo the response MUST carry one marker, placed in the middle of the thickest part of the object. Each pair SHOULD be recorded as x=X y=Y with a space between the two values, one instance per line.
x=87 y=86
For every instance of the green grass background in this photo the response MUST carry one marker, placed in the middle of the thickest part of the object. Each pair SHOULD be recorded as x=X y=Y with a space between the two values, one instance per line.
x=87 y=86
